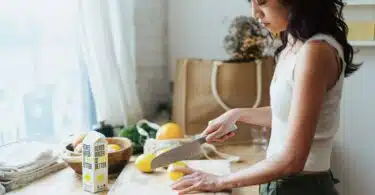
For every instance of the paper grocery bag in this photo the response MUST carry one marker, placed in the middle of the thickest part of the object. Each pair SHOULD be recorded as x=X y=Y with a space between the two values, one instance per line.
x=205 y=89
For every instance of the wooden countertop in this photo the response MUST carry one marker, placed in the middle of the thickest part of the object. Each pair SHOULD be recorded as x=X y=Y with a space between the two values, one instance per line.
x=66 y=182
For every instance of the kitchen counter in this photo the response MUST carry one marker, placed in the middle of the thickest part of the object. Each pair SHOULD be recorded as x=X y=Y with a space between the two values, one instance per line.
x=67 y=182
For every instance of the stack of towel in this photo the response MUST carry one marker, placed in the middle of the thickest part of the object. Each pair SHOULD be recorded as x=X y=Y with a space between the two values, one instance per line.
x=24 y=162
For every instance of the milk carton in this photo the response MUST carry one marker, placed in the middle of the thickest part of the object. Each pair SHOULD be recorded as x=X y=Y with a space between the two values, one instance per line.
x=94 y=162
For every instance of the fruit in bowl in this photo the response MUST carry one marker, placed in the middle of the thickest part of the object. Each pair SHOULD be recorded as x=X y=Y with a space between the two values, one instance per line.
x=113 y=148
x=119 y=152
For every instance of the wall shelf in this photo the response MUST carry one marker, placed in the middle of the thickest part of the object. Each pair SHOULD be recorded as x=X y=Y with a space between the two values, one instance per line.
x=363 y=43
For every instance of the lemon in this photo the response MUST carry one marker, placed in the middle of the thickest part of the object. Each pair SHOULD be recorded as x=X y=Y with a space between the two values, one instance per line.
x=113 y=148
x=169 y=131
x=143 y=162
x=175 y=175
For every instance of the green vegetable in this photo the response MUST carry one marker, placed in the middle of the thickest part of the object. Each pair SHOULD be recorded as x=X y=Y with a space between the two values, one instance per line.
x=137 y=139
x=104 y=128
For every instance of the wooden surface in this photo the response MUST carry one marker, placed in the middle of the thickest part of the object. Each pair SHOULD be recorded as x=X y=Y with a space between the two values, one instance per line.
x=132 y=180
x=66 y=182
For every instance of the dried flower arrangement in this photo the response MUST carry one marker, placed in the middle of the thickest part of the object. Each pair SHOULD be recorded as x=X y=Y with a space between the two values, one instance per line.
x=247 y=40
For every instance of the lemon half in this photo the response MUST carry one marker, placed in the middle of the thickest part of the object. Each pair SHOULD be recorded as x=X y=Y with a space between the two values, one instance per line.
x=176 y=175
x=143 y=162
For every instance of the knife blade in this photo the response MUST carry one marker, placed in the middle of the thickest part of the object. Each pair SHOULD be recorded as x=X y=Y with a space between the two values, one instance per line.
x=186 y=151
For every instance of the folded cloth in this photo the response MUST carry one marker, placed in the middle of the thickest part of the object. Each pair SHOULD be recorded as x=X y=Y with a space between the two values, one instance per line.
x=25 y=162
x=24 y=154
x=2 y=189
x=30 y=177
x=9 y=173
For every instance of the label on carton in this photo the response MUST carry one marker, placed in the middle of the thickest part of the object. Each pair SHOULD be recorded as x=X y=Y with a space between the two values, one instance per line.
x=94 y=162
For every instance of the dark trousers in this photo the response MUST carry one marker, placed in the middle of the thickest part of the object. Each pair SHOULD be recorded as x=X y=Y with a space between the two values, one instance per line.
x=301 y=184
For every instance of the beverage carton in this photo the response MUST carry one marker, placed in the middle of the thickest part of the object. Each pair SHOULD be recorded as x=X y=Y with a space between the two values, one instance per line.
x=94 y=162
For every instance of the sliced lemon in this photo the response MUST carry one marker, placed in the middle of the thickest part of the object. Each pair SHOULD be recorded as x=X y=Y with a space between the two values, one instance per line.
x=143 y=162
x=176 y=175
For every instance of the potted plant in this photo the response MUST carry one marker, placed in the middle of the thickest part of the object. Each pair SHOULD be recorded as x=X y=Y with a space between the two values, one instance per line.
x=247 y=40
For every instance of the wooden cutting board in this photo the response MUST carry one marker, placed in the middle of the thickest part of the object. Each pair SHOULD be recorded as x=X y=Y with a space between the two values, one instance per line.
x=132 y=181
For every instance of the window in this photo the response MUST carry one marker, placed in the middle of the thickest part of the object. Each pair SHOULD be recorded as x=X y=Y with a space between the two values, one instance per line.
x=44 y=90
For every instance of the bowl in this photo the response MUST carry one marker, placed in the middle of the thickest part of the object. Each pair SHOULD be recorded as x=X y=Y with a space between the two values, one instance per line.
x=116 y=160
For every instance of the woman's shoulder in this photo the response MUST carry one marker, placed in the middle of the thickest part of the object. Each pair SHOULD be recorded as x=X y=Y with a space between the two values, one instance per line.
x=316 y=53
x=326 y=41
x=321 y=58
x=318 y=50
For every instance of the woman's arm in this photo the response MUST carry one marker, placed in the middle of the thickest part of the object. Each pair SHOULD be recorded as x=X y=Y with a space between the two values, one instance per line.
x=256 y=116
x=218 y=130
x=315 y=70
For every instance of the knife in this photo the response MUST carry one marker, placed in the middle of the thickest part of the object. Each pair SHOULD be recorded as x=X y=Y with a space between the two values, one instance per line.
x=184 y=152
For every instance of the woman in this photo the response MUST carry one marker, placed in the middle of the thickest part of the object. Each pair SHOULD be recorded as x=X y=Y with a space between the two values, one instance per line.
x=305 y=102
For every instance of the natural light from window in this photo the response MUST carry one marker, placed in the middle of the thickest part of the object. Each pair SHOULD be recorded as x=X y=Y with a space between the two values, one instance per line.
x=43 y=81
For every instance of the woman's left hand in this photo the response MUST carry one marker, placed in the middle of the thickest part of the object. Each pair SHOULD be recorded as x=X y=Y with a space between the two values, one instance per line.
x=195 y=180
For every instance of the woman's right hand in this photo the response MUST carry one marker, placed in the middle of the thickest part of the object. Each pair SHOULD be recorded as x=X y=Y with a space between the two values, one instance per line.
x=219 y=129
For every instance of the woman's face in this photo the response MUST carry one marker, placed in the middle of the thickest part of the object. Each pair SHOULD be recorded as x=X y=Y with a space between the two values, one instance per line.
x=271 y=14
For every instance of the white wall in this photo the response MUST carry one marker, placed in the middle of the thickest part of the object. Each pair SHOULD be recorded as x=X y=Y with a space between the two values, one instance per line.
x=160 y=39
x=190 y=21
x=196 y=28
x=152 y=77
x=355 y=158
x=358 y=123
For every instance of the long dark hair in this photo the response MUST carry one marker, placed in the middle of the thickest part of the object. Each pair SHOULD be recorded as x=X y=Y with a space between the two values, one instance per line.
x=309 y=17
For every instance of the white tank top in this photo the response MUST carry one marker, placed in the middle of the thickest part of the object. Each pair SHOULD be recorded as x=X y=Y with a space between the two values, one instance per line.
x=281 y=91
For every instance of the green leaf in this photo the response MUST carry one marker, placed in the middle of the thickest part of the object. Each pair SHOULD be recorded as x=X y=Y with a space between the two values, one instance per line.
x=137 y=139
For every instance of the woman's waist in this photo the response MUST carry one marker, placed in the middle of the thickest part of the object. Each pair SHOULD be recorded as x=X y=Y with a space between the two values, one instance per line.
x=319 y=157
x=322 y=176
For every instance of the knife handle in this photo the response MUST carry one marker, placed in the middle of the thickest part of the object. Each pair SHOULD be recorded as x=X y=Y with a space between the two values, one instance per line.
x=232 y=129
x=202 y=139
